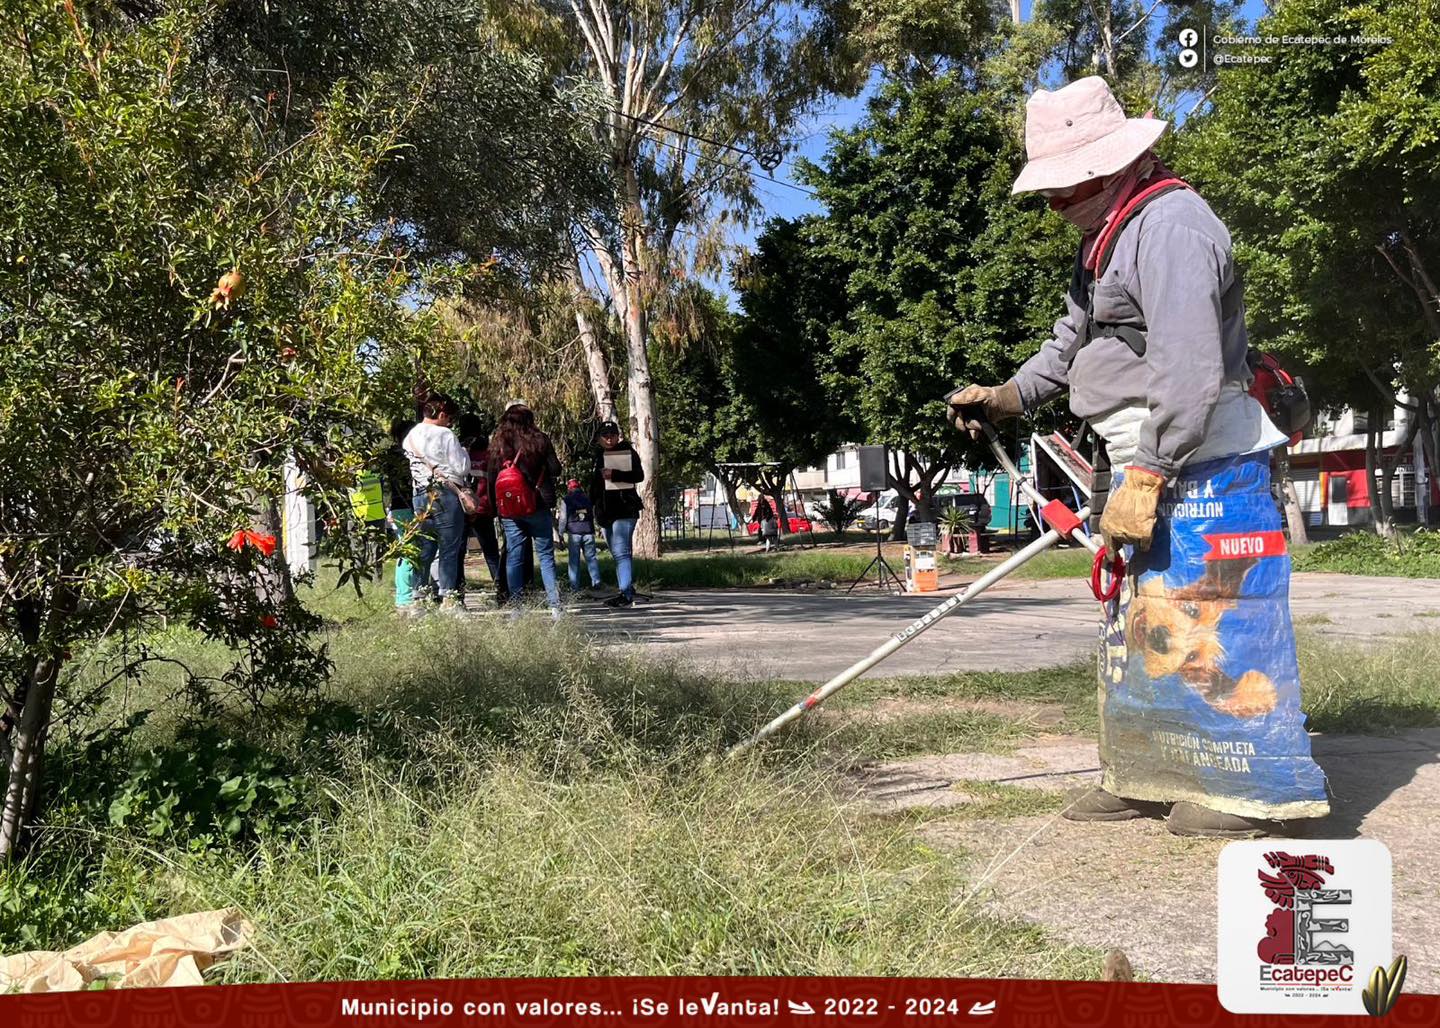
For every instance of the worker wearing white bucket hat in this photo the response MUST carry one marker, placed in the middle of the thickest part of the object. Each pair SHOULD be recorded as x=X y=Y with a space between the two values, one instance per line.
x=1199 y=688
x=1080 y=134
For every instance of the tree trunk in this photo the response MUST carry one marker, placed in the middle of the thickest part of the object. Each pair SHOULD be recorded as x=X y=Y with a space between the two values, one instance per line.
x=924 y=506
x=732 y=496
x=1294 y=516
x=777 y=500
x=1105 y=51
x=34 y=698
x=640 y=389
x=273 y=583
x=595 y=362
x=1373 y=435
x=902 y=518
x=1429 y=450
x=929 y=478
x=1290 y=503
x=1389 y=464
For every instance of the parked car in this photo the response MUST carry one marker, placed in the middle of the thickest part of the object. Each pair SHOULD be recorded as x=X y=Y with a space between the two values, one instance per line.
x=880 y=515
x=796 y=520
x=975 y=506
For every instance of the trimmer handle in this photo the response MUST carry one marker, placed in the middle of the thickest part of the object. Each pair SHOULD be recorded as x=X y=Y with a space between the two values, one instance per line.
x=974 y=414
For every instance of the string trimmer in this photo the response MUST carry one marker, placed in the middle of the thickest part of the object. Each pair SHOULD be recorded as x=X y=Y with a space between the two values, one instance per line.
x=1062 y=522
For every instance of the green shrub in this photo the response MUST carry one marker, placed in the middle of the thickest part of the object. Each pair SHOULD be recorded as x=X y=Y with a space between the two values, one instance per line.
x=207 y=786
x=1411 y=555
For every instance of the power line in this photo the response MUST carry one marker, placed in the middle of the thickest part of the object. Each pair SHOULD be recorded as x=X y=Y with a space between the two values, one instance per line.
x=715 y=160
x=765 y=172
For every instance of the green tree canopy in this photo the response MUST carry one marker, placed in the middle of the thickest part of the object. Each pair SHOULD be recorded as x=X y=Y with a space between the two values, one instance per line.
x=497 y=151
x=948 y=278
x=188 y=296
x=788 y=303
x=1325 y=164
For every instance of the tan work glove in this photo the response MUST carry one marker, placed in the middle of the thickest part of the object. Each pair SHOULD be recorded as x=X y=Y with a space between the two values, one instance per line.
x=998 y=403
x=1129 y=515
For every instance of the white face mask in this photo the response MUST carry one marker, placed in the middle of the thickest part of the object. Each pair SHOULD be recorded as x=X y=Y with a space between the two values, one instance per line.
x=1087 y=213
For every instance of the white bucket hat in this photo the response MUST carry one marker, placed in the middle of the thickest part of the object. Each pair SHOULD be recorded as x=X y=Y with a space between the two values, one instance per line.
x=1079 y=132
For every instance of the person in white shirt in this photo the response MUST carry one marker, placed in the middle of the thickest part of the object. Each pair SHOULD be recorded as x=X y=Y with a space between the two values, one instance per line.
x=439 y=466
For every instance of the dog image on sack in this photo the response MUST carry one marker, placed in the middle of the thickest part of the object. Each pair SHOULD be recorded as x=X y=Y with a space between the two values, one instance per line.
x=1178 y=631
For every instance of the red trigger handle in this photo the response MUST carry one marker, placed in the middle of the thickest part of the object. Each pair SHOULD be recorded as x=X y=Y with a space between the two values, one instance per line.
x=1117 y=575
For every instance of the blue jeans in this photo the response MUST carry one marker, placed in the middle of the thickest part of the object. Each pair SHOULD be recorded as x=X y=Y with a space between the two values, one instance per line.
x=587 y=543
x=618 y=536
x=441 y=537
x=537 y=528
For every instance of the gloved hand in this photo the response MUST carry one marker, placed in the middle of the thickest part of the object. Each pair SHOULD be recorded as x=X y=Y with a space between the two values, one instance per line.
x=998 y=403
x=1129 y=515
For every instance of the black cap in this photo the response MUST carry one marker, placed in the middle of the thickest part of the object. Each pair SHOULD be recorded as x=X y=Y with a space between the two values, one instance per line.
x=608 y=428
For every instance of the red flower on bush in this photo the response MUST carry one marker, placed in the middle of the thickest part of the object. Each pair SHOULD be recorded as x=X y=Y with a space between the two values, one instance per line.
x=264 y=543
x=269 y=621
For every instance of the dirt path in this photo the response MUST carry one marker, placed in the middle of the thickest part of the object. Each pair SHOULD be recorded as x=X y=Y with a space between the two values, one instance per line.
x=1135 y=886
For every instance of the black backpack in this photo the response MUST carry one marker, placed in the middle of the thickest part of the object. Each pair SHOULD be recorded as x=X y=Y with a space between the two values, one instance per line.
x=579 y=514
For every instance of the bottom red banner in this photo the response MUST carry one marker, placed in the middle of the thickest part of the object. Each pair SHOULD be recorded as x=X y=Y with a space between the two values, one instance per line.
x=662 y=1003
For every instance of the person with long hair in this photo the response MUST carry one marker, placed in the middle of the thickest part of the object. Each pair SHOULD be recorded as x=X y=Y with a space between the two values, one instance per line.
x=474 y=435
x=439 y=467
x=522 y=473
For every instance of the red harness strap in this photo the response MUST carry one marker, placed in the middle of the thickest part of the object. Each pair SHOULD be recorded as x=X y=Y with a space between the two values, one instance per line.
x=1111 y=231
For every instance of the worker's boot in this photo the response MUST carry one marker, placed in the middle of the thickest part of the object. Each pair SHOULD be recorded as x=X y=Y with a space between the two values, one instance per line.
x=1188 y=818
x=1098 y=805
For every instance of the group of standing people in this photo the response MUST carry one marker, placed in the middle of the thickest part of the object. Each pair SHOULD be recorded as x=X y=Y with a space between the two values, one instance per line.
x=455 y=478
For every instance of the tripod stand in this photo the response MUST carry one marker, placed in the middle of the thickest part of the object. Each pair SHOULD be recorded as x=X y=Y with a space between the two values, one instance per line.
x=884 y=572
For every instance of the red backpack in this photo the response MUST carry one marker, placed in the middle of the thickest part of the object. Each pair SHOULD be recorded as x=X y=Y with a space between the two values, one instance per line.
x=514 y=496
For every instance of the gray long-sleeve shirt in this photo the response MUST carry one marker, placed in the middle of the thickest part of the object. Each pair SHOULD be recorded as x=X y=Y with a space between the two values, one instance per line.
x=1168 y=271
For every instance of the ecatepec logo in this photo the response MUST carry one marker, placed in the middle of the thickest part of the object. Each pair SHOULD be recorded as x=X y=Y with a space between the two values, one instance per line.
x=1302 y=945
x=1302 y=924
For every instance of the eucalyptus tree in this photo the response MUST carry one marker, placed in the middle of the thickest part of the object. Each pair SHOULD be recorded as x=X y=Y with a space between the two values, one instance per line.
x=697 y=95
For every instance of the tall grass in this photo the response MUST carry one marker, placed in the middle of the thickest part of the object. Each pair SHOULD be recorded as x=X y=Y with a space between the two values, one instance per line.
x=1391 y=685
x=508 y=799
x=511 y=869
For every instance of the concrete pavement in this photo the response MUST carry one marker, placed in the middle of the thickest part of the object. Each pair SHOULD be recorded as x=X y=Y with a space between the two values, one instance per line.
x=1134 y=885
x=1016 y=625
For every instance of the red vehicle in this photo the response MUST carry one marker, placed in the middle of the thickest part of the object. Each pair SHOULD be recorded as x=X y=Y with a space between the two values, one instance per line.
x=798 y=522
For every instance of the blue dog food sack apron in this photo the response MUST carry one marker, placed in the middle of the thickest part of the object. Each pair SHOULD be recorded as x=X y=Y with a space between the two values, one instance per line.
x=1199 y=687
